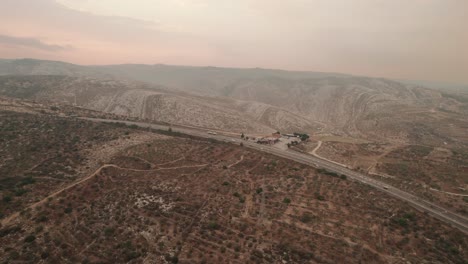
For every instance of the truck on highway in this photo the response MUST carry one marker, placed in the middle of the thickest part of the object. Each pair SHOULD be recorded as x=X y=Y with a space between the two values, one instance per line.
x=212 y=133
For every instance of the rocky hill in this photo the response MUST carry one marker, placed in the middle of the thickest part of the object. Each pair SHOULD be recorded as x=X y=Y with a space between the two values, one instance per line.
x=153 y=102
x=256 y=100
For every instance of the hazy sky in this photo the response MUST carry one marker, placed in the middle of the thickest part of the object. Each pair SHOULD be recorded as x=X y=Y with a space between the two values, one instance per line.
x=408 y=39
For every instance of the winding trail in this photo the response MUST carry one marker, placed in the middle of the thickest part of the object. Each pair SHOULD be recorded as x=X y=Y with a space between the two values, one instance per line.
x=6 y=221
x=314 y=153
x=237 y=162
x=13 y=216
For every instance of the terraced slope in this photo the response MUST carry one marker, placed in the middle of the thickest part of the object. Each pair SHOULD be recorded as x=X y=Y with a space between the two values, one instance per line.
x=259 y=101
x=150 y=102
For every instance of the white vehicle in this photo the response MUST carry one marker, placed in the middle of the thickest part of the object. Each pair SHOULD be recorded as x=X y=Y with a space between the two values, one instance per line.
x=385 y=187
x=212 y=133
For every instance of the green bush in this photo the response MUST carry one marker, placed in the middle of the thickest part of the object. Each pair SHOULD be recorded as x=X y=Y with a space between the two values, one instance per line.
x=20 y=192
x=29 y=239
x=7 y=199
x=306 y=217
x=131 y=255
x=27 y=181
x=402 y=222
x=212 y=225
x=109 y=231
x=320 y=197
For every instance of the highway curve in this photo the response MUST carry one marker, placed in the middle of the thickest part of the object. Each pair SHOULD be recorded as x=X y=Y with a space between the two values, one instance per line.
x=436 y=211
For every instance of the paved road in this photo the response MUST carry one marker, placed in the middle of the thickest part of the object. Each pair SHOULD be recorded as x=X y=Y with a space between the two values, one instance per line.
x=437 y=211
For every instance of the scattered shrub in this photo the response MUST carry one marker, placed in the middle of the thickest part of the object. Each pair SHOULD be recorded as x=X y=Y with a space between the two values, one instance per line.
x=29 y=239
x=7 y=199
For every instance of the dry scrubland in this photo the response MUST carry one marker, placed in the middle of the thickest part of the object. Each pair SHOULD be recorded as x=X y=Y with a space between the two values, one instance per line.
x=158 y=198
x=41 y=153
x=434 y=173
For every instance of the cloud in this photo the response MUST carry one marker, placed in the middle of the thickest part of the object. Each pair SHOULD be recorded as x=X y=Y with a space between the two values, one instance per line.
x=31 y=43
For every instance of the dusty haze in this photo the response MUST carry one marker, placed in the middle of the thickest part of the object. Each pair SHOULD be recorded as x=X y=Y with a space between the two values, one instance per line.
x=419 y=39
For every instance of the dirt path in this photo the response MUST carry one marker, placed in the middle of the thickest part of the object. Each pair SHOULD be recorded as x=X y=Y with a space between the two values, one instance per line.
x=145 y=161
x=180 y=167
x=186 y=233
x=314 y=151
x=449 y=193
x=170 y=162
x=256 y=165
x=13 y=216
x=248 y=205
x=371 y=169
x=237 y=162
x=39 y=164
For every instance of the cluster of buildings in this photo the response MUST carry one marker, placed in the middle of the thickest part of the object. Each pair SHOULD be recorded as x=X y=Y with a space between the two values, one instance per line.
x=269 y=140
x=275 y=138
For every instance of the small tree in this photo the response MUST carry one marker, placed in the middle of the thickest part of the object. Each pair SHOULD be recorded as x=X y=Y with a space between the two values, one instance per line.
x=242 y=135
x=7 y=199
x=29 y=239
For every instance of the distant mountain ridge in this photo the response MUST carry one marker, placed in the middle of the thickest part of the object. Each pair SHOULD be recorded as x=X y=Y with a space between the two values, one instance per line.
x=251 y=100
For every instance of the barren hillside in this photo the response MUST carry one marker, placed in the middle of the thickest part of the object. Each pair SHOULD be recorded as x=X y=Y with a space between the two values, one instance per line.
x=137 y=100
x=259 y=100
